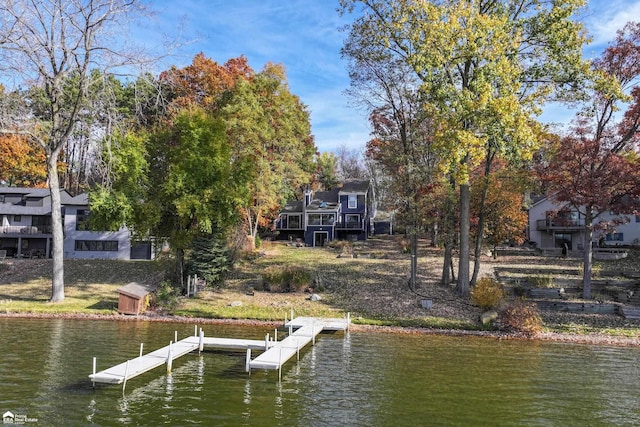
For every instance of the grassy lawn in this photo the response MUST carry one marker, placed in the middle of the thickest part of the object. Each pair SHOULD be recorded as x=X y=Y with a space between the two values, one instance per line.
x=367 y=280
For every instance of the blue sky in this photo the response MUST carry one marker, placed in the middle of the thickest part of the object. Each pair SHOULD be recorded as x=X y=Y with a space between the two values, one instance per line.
x=304 y=36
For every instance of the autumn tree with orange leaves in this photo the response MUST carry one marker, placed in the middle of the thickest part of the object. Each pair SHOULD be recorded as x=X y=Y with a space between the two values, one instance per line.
x=22 y=163
x=498 y=200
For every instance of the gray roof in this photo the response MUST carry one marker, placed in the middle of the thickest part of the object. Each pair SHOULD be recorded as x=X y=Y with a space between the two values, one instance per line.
x=354 y=186
x=79 y=200
x=324 y=200
x=292 y=207
x=36 y=193
x=31 y=192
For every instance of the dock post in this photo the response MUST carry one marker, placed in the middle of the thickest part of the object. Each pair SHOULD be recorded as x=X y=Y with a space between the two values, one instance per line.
x=348 y=320
x=275 y=335
x=285 y=319
x=290 y=329
x=169 y=357
x=94 y=372
x=280 y=365
x=126 y=372
x=292 y=314
x=141 y=347
x=175 y=336
x=201 y=345
x=298 y=349
x=266 y=342
x=195 y=330
x=313 y=333
x=247 y=366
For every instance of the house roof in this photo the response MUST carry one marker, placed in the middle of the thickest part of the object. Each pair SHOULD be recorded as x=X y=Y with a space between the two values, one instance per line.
x=324 y=200
x=136 y=290
x=354 y=186
x=292 y=207
x=31 y=192
x=34 y=193
x=79 y=200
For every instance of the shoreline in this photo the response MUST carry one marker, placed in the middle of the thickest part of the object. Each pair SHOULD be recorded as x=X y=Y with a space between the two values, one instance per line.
x=590 y=339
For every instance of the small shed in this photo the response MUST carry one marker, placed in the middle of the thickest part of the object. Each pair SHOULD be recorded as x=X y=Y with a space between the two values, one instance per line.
x=133 y=298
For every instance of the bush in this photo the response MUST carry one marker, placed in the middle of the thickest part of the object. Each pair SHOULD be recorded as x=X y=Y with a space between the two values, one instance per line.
x=520 y=316
x=487 y=293
x=286 y=279
x=166 y=298
x=541 y=281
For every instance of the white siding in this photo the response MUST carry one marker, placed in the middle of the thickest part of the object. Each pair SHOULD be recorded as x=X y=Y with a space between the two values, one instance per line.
x=122 y=236
x=544 y=239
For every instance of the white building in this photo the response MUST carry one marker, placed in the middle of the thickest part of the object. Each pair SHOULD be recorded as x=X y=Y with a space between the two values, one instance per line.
x=25 y=231
x=550 y=226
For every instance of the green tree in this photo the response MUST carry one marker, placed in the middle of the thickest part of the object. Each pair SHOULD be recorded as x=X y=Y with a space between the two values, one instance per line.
x=326 y=170
x=176 y=183
x=269 y=127
x=485 y=67
x=209 y=258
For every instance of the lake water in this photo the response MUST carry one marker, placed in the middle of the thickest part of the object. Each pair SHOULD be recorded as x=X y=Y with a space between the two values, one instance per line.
x=352 y=379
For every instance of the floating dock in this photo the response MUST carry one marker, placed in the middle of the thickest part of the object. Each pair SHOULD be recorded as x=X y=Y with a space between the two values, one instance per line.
x=302 y=331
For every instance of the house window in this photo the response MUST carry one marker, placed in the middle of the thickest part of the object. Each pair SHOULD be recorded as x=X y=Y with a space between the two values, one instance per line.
x=1 y=198
x=43 y=223
x=614 y=237
x=352 y=220
x=328 y=219
x=96 y=245
x=17 y=218
x=82 y=215
x=322 y=219
x=637 y=218
x=353 y=201
x=315 y=219
x=294 y=221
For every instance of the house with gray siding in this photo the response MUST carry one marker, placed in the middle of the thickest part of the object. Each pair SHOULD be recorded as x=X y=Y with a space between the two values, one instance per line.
x=553 y=225
x=25 y=231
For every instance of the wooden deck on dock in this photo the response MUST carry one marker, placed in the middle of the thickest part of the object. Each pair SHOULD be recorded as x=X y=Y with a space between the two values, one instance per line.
x=274 y=353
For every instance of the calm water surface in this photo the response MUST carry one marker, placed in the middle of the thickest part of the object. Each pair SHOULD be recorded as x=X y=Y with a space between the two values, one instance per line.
x=354 y=379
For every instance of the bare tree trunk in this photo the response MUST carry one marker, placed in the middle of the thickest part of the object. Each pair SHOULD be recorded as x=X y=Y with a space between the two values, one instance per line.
x=57 y=279
x=414 y=258
x=463 y=266
x=448 y=227
x=448 y=255
x=481 y=217
x=588 y=255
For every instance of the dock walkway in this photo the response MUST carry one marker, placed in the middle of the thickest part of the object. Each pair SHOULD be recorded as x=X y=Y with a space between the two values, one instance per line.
x=274 y=353
x=134 y=367
x=307 y=328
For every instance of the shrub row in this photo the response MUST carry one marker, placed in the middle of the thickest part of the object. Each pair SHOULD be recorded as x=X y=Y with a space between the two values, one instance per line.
x=286 y=279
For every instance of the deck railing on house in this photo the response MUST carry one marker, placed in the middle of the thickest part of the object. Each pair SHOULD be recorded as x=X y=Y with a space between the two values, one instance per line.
x=350 y=225
x=22 y=229
x=559 y=224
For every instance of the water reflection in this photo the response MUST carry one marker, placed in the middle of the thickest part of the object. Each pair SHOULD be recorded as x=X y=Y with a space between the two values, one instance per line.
x=346 y=379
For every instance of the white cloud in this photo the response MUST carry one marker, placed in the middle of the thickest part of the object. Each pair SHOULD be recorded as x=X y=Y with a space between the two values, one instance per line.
x=604 y=18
